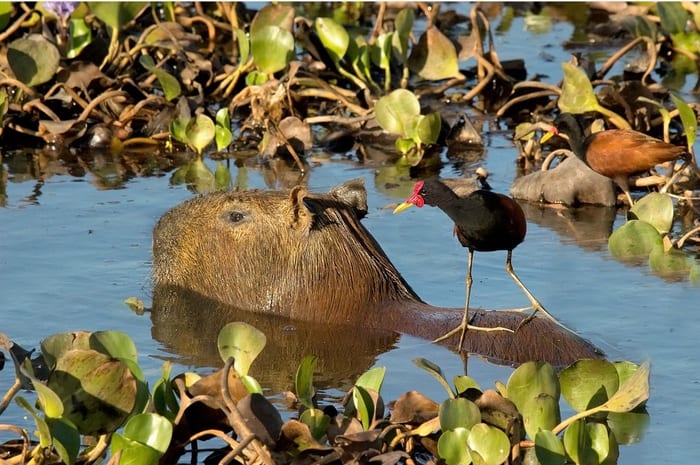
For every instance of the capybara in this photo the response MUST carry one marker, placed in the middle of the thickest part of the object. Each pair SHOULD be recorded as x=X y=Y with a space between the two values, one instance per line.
x=306 y=256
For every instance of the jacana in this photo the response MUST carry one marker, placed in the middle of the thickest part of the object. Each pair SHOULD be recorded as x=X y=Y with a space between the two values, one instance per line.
x=485 y=221
x=615 y=153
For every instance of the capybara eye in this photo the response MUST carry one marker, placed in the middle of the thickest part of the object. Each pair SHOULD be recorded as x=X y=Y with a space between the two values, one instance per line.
x=235 y=217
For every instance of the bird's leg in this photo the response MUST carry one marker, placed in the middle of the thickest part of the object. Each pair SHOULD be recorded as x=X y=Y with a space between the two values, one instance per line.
x=536 y=305
x=465 y=318
x=623 y=182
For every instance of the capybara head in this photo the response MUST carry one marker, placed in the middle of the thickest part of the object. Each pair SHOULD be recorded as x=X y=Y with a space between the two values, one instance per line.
x=292 y=253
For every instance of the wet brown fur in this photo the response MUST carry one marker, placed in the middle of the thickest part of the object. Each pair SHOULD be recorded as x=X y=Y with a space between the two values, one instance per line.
x=307 y=257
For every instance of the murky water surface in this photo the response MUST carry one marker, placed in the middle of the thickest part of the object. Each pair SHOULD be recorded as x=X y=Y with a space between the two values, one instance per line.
x=70 y=254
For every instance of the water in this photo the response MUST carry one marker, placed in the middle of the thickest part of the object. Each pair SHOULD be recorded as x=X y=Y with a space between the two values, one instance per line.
x=71 y=253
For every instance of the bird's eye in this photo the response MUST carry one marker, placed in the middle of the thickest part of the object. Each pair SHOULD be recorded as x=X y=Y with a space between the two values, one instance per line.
x=236 y=217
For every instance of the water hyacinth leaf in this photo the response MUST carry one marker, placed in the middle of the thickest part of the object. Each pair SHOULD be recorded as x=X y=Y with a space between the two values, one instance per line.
x=5 y=14
x=656 y=209
x=243 y=45
x=427 y=129
x=114 y=343
x=490 y=443
x=98 y=392
x=49 y=401
x=602 y=443
x=256 y=78
x=530 y=380
x=65 y=439
x=381 y=52
x=464 y=382
x=458 y=413
x=673 y=16
x=116 y=14
x=364 y=405
x=549 y=449
x=540 y=413
x=333 y=36
x=405 y=146
x=577 y=94
x=304 y=381
x=396 y=111
x=243 y=342
x=170 y=86
x=690 y=122
x=434 y=370
x=133 y=452
x=588 y=383
x=251 y=384
x=150 y=429
x=79 y=36
x=200 y=131
x=42 y=427
x=273 y=15
x=54 y=346
x=164 y=401
x=452 y=447
x=33 y=59
x=404 y=25
x=316 y=420
x=372 y=379
x=577 y=443
x=632 y=393
x=633 y=239
x=272 y=48
x=222 y=120
x=625 y=370
x=434 y=57
x=668 y=261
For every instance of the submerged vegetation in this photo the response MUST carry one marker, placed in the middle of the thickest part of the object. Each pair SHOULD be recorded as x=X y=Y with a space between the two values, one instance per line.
x=159 y=87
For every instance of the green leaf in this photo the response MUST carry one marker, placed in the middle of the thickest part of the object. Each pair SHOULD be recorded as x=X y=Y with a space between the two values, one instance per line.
x=273 y=14
x=170 y=85
x=333 y=36
x=200 y=131
x=588 y=383
x=42 y=427
x=577 y=442
x=404 y=25
x=364 y=405
x=133 y=452
x=272 y=48
x=223 y=129
x=530 y=380
x=116 y=14
x=690 y=122
x=65 y=439
x=427 y=129
x=458 y=413
x=452 y=447
x=316 y=420
x=5 y=14
x=577 y=94
x=436 y=371
x=49 y=401
x=540 y=413
x=549 y=449
x=490 y=443
x=114 y=343
x=304 y=381
x=673 y=16
x=79 y=36
x=434 y=57
x=243 y=45
x=628 y=427
x=396 y=111
x=635 y=238
x=656 y=209
x=150 y=429
x=464 y=382
x=251 y=384
x=33 y=59
x=243 y=342
x=372 y=379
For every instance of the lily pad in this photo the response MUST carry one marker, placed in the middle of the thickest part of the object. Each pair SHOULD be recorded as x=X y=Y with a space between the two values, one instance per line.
x=656 y=209
x=635 y=238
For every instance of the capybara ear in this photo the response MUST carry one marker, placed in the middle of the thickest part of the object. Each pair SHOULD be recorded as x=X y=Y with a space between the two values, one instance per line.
x=301 y=218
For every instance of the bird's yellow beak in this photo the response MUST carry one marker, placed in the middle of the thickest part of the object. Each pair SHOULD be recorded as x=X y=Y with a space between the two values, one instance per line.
x=402 y=206
x=548 y=135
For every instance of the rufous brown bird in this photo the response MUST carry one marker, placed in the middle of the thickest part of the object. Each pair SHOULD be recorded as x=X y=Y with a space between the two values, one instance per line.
x=485 y=221
x=616 y=153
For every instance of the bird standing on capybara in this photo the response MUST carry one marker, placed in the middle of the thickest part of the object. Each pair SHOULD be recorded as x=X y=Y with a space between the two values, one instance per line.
x=306 y=256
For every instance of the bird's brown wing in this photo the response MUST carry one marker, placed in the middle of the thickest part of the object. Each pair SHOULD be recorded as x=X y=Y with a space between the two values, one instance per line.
x=619 y=152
